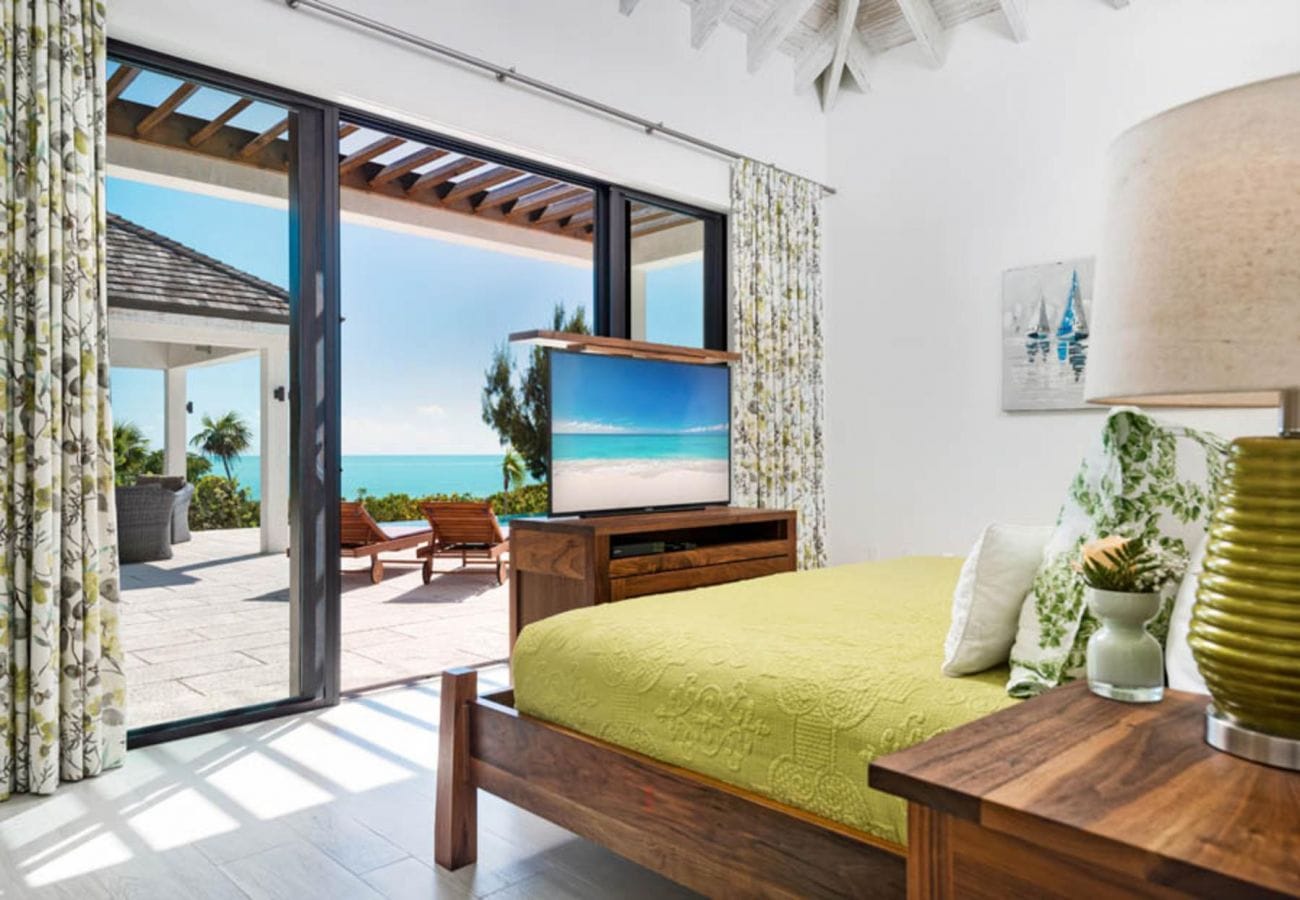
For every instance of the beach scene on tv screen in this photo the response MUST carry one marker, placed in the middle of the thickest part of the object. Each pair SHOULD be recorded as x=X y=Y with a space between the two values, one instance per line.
x=630 y=433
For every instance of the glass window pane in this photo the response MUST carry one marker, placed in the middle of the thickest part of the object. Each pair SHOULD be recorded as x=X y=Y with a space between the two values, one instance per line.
x=199 y=340
x=667 y=276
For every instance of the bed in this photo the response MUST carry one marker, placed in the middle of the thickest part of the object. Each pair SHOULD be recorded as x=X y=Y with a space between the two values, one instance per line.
x=722 y=735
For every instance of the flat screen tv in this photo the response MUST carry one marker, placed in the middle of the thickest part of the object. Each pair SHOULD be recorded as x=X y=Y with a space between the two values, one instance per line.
x=637 y=434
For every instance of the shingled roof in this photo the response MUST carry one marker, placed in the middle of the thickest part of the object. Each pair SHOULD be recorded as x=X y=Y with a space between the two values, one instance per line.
x=149 y=271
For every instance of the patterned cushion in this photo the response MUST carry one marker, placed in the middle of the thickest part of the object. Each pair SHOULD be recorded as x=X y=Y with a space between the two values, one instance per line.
x=1142 y=479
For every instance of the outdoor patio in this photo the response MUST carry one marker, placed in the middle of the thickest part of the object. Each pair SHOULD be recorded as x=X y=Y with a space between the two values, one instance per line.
x=208 y=630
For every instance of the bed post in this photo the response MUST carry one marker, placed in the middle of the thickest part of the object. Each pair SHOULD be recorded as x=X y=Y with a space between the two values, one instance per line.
x=455 y=841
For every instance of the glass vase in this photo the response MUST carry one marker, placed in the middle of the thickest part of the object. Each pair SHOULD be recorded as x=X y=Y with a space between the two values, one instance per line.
x=1124 y=661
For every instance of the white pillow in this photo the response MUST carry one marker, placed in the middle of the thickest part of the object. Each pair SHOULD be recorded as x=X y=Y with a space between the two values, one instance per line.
x=990 y=591
x=1179 y=665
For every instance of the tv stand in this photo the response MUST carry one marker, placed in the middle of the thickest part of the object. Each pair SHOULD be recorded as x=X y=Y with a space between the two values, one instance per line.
x=568 y=563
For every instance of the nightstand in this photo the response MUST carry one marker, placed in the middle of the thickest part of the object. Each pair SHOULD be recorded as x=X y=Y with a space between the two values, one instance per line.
x=1071 y=795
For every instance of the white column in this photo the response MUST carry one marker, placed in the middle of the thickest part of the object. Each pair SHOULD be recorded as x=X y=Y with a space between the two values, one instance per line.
x=174 y=421
x=637 y=324
x=275 y=451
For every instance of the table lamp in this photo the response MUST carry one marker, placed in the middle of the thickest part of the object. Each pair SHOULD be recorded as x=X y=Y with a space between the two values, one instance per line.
x=1198 y=304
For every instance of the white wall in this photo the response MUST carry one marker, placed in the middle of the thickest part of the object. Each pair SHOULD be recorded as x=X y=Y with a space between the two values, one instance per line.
x=643 y=63
x=949 y=177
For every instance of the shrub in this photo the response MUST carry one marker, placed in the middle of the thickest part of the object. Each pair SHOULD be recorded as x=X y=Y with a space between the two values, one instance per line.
x=220 y=503
x=529 y=499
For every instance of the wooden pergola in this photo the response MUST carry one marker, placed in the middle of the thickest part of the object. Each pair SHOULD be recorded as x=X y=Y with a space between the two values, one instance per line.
x=422 y=174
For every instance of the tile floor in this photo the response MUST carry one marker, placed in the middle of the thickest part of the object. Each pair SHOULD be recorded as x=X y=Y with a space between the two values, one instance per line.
x=208 y=629
x=333 y=804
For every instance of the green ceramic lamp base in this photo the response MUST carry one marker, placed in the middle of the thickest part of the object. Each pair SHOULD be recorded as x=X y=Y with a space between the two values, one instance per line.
x=1245 y=631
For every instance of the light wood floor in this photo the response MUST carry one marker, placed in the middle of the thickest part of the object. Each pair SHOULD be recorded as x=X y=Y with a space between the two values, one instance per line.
x=335 y=804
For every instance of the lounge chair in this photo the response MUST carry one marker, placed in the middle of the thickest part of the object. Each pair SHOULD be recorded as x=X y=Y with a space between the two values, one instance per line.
x=360 y=535
x=467 y=530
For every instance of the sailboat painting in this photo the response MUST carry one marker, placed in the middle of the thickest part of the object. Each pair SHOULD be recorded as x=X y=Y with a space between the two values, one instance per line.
x=1045 y=335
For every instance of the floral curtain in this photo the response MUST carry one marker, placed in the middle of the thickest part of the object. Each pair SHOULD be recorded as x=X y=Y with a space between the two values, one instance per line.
x=776 y=326
x=62 y=692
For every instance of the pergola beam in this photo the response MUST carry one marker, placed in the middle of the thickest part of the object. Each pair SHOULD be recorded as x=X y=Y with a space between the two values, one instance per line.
x=925 y=27
x=443 y=174
x=347 y=128
x=557 y=211
x=120 y=81
x=775 y=27
x=214 y=126
x=400 y=167
x=249 y=150
x=540 y=199
x=674 y=221
x=846 y=25
x=1017 y=19
x=529 y=185
x=706 y=15
x=359 y=158
x=475 y=184
x=166 y=108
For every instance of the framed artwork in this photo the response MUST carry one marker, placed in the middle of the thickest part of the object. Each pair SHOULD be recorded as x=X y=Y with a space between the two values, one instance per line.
x=1045 y=312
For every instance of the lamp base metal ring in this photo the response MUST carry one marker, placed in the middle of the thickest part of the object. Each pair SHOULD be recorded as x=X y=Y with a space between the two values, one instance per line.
x=1222 y=733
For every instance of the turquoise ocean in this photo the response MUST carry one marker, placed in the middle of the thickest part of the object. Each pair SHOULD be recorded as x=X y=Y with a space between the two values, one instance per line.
x=477 y=474
x=640 y=446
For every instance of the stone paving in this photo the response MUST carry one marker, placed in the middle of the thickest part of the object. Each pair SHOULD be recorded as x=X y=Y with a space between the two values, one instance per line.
x=208 y=630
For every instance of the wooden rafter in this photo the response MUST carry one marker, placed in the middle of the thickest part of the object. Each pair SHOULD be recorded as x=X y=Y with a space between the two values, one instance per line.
x=926 y=28
x=441 y=175
x=675 y=221
x=249 y=150
x=773 y=29
x=705 y=18
x=120 y=81
x=166 y=108
x=541 y=199
x=514 y=191
x=558 y=211
x=214 y=126
x=846 y=25
x=347 y=128
x=1017 y=19
x=581 y=218
x=410 y=162
x=649 y=214
x=476 y=184
x=359 y=158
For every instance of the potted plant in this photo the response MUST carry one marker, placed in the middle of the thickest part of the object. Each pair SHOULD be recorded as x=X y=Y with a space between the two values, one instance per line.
x=1123 y=578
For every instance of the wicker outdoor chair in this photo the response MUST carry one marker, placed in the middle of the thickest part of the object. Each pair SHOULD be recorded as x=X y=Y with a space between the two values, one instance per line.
x=144 y=522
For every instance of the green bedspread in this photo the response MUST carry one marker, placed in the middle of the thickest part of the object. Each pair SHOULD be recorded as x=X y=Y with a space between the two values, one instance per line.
x=787 y=686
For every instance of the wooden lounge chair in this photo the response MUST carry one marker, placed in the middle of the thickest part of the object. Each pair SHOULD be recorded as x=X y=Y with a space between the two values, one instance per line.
x=468 y=530
x=360 y=535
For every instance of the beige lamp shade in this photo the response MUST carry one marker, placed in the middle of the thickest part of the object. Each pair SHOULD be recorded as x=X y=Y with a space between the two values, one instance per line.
x=1197 y=301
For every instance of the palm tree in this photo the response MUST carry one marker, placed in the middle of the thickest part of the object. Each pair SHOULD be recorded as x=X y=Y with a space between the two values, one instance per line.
x=130 y=451
x=512 y=470
x=225 y=438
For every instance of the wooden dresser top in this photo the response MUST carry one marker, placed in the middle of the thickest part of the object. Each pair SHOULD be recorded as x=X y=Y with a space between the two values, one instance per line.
x=1069 y=768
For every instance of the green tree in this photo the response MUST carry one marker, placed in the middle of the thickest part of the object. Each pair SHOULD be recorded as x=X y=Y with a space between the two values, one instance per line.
x=131 y=454
x=512 y=470
x=225 y=438
x=196 y=466
x=515 y=404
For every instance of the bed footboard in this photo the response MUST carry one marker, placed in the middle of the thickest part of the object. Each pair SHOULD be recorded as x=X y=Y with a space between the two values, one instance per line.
x=699 y=832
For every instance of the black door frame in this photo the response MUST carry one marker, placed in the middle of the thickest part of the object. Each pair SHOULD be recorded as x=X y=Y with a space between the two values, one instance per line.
x=315 y=373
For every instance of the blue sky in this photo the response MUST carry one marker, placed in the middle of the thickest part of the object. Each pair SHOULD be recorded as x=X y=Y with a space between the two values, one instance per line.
x=608 y=395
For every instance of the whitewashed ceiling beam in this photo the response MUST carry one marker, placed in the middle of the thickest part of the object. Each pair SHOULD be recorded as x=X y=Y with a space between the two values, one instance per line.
x=925 y=27
x=814 y=59
x=856 y=61
x=705 y=17
x=1017 y=19
x=769 y=33
x=626 y=6
x=1119 y=4
x=846 y=25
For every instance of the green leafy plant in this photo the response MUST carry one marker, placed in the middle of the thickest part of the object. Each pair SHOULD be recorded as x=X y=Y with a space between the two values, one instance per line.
x=131 y=454
x=224 y=438
x=515 y=404
x=220 y=503
x=1123 y=564
x=513 y=473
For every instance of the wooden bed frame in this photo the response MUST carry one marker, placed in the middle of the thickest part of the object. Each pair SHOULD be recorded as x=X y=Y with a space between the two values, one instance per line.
x=707 y=835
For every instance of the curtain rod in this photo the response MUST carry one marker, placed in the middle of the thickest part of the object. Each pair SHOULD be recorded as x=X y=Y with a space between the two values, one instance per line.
x=504 y=74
